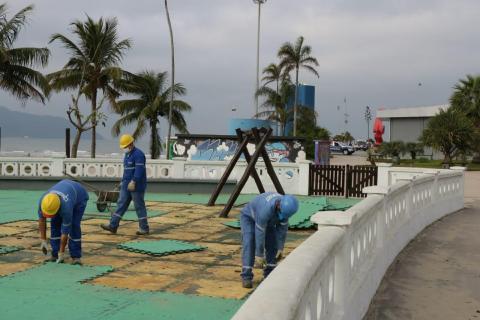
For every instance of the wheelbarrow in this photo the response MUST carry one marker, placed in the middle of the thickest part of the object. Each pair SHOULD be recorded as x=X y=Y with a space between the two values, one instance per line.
x=104 y=198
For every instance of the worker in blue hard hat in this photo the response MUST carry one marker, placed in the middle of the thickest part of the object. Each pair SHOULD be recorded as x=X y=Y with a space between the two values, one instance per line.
x=264 y=224
x=133 y=186
x=64 y=204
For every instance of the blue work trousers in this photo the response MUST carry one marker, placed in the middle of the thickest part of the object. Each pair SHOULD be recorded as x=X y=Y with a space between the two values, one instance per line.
x=75 y=235
x=247 y=225
x=122 y=206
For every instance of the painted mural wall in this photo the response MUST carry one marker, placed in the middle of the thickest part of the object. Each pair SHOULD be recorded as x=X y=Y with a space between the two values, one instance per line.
x=223 y=148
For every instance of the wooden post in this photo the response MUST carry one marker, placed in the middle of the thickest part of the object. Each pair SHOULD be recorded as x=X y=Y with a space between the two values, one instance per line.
x=67 y=142
x=268 y=163
x=243 y=180
x=227 y=172
x=248 y=158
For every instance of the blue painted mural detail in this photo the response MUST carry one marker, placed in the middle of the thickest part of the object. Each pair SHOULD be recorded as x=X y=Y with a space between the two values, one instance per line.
x=206 y=149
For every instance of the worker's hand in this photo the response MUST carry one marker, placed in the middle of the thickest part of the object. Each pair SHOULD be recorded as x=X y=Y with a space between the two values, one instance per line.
x=279 y=255
x=44 y=247
x=131 y=186
x=260 y=262
x=61 y=257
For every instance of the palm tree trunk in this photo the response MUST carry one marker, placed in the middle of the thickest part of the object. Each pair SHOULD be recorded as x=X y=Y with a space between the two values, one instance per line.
x=75 y=144
x=94 y=124
x=295 y=107
x=154 y=140
x=173 y=81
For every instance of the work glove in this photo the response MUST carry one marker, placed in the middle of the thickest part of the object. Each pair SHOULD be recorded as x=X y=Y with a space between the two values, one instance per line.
x=260 y=262
x=279 y=255
x=44 y=247
x=61 y=257
x=131 y=186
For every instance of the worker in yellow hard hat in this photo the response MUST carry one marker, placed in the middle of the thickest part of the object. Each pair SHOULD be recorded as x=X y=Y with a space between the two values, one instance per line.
x=133 y=186
x=64 y=204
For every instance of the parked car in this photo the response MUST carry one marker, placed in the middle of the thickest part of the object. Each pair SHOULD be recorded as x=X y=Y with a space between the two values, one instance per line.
x=360 y=145
x=339 y=147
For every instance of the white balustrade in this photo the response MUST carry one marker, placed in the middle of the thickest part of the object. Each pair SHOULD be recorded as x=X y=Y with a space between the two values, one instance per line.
x=293 y=176
x=335 y=273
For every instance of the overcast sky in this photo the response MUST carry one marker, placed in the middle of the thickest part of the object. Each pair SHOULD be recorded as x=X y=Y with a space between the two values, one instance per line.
x=372 y=52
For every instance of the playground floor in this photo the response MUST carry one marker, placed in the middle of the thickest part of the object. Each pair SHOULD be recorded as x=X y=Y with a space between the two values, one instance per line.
x=114 y=283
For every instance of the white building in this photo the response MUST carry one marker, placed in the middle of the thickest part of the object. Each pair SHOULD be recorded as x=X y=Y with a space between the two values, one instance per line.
x=407 y=124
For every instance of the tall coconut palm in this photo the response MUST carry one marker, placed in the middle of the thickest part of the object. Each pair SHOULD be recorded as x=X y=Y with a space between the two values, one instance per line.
x=274 y=73
x=16 y=74
x=275 y=104
x=150 y=103
x=93 y=64
x=466 y=98
x=294 y=57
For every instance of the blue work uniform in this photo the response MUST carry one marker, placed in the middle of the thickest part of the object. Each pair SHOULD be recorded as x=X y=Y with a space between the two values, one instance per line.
x=263 y=233
x=134 y=170
x=73 y=201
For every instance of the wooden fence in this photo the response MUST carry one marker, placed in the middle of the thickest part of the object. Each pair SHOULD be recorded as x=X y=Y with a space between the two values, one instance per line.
x=348 y=181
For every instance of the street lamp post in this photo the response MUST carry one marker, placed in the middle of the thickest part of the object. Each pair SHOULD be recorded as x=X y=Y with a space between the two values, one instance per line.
x=259 y=3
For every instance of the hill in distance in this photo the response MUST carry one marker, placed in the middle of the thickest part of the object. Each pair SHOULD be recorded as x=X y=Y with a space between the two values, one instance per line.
x=21 y=124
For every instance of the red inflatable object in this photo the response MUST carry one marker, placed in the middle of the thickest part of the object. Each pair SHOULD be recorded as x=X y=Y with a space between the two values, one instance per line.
x=378 y=131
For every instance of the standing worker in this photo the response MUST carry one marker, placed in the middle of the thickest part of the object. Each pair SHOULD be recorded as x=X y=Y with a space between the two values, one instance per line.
x=64 y=204
x=264 y=223
x=133 y=185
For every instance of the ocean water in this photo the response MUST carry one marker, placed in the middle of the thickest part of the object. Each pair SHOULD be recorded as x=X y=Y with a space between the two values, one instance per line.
x=34 y=146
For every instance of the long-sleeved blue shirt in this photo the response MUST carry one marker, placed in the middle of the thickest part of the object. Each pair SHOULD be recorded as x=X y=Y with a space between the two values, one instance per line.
x=262 y=210
x=134 y=169
x=71 y=193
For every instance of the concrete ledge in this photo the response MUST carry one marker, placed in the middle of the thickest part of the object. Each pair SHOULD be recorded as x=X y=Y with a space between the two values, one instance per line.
x=154 y=185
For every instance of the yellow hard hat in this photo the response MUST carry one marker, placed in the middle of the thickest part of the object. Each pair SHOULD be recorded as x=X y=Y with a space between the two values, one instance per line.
x=50 y=205
x=126 y=140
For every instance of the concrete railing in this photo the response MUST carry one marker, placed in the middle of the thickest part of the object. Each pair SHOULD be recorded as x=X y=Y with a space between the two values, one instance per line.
x=293 y=176
x=335 y=273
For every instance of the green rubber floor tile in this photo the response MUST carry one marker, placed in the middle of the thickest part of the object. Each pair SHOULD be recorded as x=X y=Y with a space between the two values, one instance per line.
x=160 y=247
x=7 y=249
x=232 y=224
x=53 y=289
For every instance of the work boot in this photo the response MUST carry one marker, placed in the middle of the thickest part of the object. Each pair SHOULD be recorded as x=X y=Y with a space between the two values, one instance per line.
x=51 y=259
x=76 y=262
x=107 y=227
x=142 y=232
x=247 y=283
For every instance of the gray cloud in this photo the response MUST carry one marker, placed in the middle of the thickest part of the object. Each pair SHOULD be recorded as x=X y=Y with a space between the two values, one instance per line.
x=372 y=52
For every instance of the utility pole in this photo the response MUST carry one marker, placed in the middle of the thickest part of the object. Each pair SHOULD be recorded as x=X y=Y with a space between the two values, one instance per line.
x=346 y=115
x=368 y=118
x=259 y=3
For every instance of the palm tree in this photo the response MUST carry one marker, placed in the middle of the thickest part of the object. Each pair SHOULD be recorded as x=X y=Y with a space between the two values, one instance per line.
x=274 y=73
x=93 y=63
x=275 y=103
x=466 y=98
x=293 y=57
x=16 y=74
x=151 y=102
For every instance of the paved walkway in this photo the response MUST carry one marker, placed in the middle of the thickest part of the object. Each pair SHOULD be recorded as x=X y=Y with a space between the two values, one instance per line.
x=437 y=276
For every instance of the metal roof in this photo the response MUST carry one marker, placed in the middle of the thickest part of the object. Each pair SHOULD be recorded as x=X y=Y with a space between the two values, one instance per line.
x=411 y=112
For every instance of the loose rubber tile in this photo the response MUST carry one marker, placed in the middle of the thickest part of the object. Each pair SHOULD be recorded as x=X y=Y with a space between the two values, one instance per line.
x=9 y=249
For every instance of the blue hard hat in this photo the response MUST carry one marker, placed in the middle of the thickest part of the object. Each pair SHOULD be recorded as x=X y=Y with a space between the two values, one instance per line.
x=288 y=206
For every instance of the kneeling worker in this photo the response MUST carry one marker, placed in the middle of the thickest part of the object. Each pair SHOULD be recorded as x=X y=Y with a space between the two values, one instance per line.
x=134 y=183
x=64 y=204
x=264 y=224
